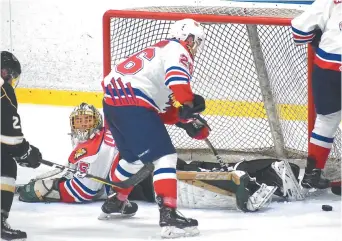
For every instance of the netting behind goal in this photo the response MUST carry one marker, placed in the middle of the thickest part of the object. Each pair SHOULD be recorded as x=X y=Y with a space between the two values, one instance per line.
x=254 y=78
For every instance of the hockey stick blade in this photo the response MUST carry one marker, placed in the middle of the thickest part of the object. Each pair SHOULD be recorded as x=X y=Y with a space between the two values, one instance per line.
x=132 y=181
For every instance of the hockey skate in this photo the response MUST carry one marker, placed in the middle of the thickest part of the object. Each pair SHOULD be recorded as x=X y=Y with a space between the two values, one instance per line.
x=114 y=208
x=173 y=224
x=314 y=178
x=290 y=188
x=10 y=234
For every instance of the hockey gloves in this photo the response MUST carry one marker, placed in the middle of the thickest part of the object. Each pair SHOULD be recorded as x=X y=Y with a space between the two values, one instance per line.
x=186 y=112
x=190 y=120
x=194 y=130
x=30 y=157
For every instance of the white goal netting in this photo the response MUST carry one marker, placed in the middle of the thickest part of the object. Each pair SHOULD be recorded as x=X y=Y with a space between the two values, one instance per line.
x=253 y=76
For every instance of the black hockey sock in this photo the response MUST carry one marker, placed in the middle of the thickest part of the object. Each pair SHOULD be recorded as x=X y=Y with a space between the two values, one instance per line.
x=8 y=177
x=7 y=194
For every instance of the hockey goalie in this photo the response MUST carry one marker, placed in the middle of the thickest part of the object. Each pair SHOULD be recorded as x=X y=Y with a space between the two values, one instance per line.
x=246 y=185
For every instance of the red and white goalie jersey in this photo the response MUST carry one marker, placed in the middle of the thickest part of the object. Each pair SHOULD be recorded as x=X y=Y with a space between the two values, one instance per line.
x=325 y=15
x=165 y=76
x=97 y=156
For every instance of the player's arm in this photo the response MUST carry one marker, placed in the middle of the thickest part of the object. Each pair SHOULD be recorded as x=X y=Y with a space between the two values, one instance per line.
x=186 y=105
x=177 y=64
x=178 y=73
x=12 y=138
x=308 y=26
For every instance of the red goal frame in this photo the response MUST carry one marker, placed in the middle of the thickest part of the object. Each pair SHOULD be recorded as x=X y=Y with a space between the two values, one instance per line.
x=204 y=18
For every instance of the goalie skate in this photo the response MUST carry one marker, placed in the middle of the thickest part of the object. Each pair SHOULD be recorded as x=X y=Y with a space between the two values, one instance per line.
x=261 y=198
x=113 y=208
x=291 y=189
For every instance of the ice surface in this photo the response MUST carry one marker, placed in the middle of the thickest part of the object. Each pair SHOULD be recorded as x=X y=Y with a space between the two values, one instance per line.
x=47 y=128
x=302 y=221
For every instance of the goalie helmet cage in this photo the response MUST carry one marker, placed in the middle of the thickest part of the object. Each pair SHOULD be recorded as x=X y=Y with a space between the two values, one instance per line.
x=254 y=78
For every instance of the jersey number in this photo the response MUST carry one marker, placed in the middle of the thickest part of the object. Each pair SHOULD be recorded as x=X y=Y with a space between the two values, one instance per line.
x=83 y=167
x=16 y=122
x=135 y=63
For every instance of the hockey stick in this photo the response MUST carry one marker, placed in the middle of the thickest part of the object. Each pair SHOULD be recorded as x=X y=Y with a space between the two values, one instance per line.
x=45 y=175
x=132 y=181
x=224 y=166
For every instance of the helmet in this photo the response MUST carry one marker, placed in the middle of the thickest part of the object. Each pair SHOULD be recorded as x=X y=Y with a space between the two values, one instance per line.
x=10 y=68
x=85 y=121
x=189 y=31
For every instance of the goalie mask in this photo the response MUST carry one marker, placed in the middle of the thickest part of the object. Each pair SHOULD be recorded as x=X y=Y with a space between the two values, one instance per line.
x=85 y=121
x=190 y=32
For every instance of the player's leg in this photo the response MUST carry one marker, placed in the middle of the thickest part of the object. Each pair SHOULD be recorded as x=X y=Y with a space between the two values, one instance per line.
x=164 y=156
x=326 y=86
x=117 y=204
x=8 y=177
x=274 y=172
x=146 y=138
x=248 y=194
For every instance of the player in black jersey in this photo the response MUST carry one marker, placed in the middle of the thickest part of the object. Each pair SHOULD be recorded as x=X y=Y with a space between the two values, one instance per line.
x=14 y=148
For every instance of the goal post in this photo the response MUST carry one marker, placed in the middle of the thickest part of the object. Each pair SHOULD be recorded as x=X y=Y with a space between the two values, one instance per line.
x=256 y=81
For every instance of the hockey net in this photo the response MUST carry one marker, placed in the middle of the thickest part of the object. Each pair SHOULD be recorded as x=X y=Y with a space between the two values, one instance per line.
x=254 y=79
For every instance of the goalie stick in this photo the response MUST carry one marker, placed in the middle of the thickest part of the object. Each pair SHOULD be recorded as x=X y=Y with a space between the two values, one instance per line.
x=132 y=181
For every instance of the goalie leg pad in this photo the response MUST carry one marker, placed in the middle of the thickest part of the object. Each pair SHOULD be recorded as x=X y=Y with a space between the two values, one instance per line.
x=40 y=191
x=245 y=186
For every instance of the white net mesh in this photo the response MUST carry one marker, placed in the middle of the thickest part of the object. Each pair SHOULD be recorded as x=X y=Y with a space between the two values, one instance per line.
x=226 y=74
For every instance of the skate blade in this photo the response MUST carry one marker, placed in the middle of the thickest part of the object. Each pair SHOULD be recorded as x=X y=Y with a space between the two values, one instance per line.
x=111 y=216
x=297 y=190
x=170 y=232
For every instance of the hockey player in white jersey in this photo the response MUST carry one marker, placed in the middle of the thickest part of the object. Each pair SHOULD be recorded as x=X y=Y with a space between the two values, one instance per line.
x=94 y=152
x=321 y=25
x=141 y=94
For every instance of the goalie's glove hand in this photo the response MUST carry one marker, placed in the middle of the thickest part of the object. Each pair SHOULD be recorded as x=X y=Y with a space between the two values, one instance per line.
x=29 y=157
x=195 y=130
x=187 y=112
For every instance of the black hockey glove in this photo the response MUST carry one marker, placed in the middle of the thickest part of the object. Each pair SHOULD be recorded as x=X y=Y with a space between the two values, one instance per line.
x=186 y=112
x=195 y=130
x=31 y=156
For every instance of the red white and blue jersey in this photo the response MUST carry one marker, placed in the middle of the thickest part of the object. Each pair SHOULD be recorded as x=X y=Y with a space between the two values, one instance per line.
x=97 y=156
x=327 y=16
x=151 y=77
